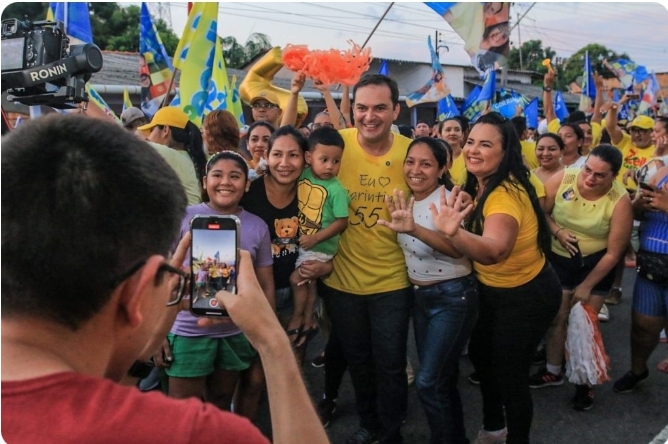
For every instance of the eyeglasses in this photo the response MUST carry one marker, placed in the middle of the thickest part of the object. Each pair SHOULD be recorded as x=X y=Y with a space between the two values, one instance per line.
x=320 y=125
x=638 y=130
x=263 y=105
x=177 y=292
x=597 y=176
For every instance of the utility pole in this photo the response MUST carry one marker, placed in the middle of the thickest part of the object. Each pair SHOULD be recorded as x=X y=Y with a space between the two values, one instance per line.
x=519 y=37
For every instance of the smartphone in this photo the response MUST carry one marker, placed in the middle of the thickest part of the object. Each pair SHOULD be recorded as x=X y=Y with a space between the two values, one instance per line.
x=646 y=186
x=633 y=96
x=214 y=260
x=577 y=257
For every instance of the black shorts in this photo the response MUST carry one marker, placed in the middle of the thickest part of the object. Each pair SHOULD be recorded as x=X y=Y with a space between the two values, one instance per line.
x=571 y=275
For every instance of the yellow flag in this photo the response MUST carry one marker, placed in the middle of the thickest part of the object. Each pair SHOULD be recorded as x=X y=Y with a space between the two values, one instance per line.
x=194 y=57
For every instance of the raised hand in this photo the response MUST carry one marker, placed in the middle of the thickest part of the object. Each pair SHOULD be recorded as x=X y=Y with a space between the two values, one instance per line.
x=297 y=82
x=448 y=217
x=401 y=212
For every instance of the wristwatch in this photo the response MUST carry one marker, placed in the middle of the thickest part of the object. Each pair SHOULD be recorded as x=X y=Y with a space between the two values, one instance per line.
x=547 y=88
x=141 y=369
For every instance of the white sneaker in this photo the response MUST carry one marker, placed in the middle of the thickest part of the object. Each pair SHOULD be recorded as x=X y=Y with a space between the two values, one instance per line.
x=497 y=437
x=604 y=314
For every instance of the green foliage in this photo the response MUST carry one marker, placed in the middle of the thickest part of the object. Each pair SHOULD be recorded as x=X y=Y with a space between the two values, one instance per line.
x=533 y=55
x=573 y=67
x=237 y=55
x=19 y=10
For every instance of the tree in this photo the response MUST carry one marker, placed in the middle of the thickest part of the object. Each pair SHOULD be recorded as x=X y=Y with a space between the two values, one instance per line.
x=533 y=54
x=572 y=68
x=114 y=28
x=237 y=55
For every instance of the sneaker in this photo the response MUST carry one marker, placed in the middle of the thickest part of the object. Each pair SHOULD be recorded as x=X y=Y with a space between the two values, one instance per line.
x=318 y=361
x=410 y=374
x=614 y=296
x=604 y=314
x=326 y=409
x=629 y=381
x=474 y=379
x=540 y=357
x=362 y=436
x=584 y=398
x=662 y=336
x=497 y=437
x=543 y=378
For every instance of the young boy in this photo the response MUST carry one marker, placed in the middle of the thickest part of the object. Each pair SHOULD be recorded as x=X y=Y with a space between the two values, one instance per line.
x=323 y=215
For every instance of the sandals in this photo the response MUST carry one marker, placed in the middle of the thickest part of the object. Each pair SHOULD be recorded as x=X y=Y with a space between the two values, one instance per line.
x=297 y=332
x=306 y=335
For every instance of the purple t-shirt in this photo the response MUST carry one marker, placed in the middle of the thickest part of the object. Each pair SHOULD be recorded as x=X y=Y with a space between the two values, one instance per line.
x=254 y=237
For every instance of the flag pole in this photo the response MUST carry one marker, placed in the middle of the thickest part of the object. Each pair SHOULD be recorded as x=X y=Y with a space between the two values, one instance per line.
x=377 y=24
x=169 y=90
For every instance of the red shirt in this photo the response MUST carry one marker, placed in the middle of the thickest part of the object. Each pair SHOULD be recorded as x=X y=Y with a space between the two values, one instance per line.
x=75 y=408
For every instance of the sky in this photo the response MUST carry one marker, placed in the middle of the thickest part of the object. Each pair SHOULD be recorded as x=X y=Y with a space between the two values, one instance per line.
x=639 y=29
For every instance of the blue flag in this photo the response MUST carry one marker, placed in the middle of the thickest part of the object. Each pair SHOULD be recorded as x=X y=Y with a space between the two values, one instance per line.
x=436 y=88
x=155 y=70
x=485 y=97
x=560 y=109
x=531 y=113
x=473 y=95
x=384 y=69
x=623 y=70
x=446 y=108
x=507 y=102
x=588 y=87
x=76 y=18
x=640 y=74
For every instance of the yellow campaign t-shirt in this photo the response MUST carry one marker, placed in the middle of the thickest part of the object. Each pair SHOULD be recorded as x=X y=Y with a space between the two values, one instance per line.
x=596 y=133
x=632 y=158
x=529 y=153
x=525 y=260
x=369 y=259
x=458 y=170
x=553 y=126
x=588 y=220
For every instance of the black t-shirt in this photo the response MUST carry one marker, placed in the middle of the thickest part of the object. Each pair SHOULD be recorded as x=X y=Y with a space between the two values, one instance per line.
x=283 y=229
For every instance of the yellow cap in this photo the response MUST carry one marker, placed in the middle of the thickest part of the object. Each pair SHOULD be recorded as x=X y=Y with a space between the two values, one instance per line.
x=643 y=122
x=267 y=95
x=167 y=116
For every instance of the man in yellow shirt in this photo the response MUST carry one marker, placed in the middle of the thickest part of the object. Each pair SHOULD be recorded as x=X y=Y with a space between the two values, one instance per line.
x=368 y=295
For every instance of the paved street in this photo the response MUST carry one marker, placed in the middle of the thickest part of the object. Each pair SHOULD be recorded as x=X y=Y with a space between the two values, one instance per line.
x=635 y=418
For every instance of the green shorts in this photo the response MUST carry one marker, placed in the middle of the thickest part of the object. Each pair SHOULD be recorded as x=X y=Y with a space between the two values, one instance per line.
x=200 y=356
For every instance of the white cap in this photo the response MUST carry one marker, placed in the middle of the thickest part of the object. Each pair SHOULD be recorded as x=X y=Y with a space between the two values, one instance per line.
x=542 y=127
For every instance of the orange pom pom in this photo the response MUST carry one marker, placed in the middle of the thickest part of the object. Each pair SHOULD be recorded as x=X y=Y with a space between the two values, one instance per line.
x=330 y=66
x=294 y=56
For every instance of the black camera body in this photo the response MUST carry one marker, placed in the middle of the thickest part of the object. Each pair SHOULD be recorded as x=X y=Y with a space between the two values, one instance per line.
x=37 y=68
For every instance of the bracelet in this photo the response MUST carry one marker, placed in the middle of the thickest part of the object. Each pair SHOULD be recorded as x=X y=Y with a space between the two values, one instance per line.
x=555 y=234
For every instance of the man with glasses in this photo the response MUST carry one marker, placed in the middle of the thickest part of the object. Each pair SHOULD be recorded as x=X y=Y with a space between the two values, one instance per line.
x=637 y=149
x=266 y=108
x=103 y=214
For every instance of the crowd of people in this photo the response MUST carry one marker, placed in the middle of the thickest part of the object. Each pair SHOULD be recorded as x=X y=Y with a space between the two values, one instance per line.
x=485 y=237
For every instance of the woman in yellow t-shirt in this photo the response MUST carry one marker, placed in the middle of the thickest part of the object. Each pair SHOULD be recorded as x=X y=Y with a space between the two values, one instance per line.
x=549 y=150
x=591 y=219
x=505 y=237
x=454 y=130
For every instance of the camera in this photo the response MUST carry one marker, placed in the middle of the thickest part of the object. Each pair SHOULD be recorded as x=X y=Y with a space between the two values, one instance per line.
x=37 y=68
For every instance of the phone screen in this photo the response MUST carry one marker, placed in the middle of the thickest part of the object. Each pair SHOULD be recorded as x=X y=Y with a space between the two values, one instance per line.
x=213 y=263
x=646 y=186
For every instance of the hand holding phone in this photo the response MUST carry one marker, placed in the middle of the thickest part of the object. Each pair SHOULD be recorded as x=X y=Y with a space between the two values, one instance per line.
x=647 y=187
x=214 y=260
x=577 y=256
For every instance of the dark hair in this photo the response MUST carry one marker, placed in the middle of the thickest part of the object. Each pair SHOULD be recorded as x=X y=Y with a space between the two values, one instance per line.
x=520 y=124
x=101 y=201
x=556 y=137
x=442 y=124
x=421 y=121
x=502 y=48
x=325 y=136
x=222 y=131
x=228 y=155
x=610 y=155
x=381 y=80
x=191 y=138
x=442 y=152
x=291 y=131
x=577 y=116
x=511 y=171
x=579 y=134
x=464 y=122
x=663 y=120
x=406 y=131
x=262 y=123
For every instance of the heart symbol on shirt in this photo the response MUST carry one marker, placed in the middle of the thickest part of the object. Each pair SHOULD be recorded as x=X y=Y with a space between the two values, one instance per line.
x=384 y=181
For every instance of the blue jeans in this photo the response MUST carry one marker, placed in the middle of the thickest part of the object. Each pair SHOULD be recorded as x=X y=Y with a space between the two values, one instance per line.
x=511 y=323
x=373 y=330
x=443 y=317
